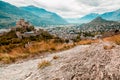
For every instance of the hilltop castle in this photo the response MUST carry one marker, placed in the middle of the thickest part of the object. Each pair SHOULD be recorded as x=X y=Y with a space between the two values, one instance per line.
x=22 y=24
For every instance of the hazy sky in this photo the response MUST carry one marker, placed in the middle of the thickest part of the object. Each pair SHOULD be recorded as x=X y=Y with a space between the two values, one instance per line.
x=71 y=8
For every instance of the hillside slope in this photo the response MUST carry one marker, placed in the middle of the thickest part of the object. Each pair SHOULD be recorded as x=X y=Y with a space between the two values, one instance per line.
x=101 y=25
x=10 y=13
x=50 y=17
x=113 y=15
x=83 y=62
x=85 y=19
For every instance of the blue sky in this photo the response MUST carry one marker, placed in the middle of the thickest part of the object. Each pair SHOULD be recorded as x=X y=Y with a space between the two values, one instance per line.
x=71 y=8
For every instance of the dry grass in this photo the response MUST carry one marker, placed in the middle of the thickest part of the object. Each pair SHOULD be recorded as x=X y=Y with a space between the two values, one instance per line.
x=115 y=39
x=43 y=64
x=46 y=46
x=85 y=42
x=55 y=57
x=9 y=58
x=19 y=53
x=108 y=47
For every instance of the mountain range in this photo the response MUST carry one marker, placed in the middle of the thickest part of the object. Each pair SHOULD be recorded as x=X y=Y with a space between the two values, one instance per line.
x=100 y=25
x=9 y=14
x=36 y=16
x=101 y=21
x=112 y=16
x=84 y=19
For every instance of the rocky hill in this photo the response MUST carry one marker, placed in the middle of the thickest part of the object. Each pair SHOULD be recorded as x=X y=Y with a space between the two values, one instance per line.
x=94 y=62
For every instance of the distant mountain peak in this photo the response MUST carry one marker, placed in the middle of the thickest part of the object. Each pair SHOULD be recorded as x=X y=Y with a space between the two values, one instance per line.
x=111 y=16
x=43 y=13
x=2 y=2
x=118 y=10
x=37 y=16
x=93 y=14
x=31 y=6
x=98 y=19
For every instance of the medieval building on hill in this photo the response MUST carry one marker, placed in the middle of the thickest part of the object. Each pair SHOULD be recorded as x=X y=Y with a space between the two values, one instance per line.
x=25 y=29
x=22 y=24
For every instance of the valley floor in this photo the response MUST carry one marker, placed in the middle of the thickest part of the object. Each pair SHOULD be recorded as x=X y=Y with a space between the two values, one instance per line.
x=97 y=61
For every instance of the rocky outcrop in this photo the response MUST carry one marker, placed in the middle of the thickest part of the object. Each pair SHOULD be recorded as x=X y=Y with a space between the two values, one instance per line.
x=84 y=62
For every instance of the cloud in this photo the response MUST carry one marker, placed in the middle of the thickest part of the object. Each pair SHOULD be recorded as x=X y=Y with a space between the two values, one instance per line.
x=89 y=2
x=71 y=8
